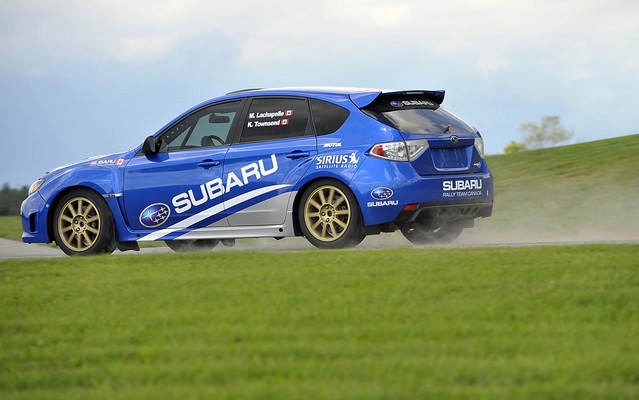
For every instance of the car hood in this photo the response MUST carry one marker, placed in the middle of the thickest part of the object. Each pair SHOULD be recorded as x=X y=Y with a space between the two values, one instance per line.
x=108 y=160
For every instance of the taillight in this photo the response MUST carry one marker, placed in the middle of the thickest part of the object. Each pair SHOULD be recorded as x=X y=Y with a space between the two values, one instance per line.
x=479 y=145
x=408 y=150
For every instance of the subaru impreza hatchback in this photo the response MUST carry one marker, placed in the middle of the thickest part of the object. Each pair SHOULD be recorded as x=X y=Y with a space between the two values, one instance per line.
x=330 y=164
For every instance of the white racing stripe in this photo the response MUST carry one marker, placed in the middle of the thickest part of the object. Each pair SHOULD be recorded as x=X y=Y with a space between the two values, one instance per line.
x=209 y=212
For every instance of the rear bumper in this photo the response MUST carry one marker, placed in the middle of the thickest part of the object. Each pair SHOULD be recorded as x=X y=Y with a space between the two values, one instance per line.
x=412 y=196
x=451 y=211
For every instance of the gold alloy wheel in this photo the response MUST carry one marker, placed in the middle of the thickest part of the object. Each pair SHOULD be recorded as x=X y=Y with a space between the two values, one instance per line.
x=327 y=213
x=79 y=224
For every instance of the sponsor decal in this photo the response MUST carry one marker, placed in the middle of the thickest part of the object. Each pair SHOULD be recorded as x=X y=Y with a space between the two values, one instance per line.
x=349 y=160
x=155 y=215
x=186 y=223
x=462 y=188
x=109 y=161
x=382 y=203
x=412 y=103
x=334 y=144
x=217 y=187
x=382 y=193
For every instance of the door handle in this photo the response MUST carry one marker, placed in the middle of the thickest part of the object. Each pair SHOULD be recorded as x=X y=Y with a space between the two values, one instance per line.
x=208 y=164
x=294 y=155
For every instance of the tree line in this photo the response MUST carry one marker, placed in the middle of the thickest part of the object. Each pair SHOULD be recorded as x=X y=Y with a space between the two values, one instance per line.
x=11 y=198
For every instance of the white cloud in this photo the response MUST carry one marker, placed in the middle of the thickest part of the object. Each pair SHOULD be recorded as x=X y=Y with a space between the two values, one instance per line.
x=488 y=33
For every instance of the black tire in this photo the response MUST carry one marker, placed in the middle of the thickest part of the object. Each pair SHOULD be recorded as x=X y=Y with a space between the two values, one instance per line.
x=419 y=234
x=198 y=245
x=83 y=225
x=329 y=216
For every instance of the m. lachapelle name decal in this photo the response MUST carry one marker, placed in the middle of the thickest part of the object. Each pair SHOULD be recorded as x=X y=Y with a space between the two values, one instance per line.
x=277 y=118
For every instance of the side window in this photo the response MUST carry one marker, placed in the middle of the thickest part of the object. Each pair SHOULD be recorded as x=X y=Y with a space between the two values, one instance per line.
x=270 y=119
x=208 y=127
x=327 y=117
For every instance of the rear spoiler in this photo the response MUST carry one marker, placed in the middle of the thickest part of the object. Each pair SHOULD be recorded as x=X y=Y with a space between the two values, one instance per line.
x=362 y=100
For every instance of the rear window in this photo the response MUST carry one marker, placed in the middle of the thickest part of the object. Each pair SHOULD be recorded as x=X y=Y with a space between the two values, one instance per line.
x=327 y=117
x=423 y=121
x=416 y=114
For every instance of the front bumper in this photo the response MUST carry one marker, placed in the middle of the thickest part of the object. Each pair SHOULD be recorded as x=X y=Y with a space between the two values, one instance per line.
x=35 y=211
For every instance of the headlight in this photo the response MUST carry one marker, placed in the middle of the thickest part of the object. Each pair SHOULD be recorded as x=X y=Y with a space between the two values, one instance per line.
x=35 y=186
x=479 y=145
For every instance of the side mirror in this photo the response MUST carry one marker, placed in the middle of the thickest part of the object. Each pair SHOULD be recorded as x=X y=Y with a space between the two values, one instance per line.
x=150 y=145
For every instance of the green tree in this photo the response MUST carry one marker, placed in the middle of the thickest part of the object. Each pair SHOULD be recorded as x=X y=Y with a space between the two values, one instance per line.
x=549 y=132
x=514 y=147
x=10 y=199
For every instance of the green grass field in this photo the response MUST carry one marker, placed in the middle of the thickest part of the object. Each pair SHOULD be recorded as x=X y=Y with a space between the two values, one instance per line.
x=551 y=322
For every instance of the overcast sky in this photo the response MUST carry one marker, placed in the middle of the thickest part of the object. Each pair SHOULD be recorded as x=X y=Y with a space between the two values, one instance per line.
x=87 y=77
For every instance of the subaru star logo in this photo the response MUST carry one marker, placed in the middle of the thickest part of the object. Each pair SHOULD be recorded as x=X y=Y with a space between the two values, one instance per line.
x=155 y=215
x=454 y=139
x=397 y=104
x=382 y=193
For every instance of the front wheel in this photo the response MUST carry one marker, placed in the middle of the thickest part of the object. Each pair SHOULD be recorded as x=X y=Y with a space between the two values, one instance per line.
x=442 y=233
x=83 y=224
x=329 y=216
x=197 y=245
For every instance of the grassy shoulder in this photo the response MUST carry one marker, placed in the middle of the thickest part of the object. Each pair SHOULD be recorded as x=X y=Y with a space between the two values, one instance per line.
x=498 y=323
x=11 y=227
x=586 y=191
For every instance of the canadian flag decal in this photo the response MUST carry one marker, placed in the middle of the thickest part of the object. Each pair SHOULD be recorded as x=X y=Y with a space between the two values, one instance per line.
x=285 y=121
x=288 y=113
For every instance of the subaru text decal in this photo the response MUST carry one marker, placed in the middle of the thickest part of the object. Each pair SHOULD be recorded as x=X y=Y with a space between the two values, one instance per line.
x=462 y=188
x=217 y=187
x=155 y=215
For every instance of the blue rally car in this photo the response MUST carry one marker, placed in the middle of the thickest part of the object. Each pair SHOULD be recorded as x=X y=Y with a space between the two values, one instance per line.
x=330 y=164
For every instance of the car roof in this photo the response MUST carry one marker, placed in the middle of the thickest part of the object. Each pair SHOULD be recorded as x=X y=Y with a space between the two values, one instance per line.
x=360 y=96
x=320 y=90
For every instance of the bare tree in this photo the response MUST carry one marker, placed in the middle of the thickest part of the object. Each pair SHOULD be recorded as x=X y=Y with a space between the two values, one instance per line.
x=548 y=133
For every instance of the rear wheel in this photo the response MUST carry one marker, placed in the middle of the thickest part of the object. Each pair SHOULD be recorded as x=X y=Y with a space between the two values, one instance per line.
x=199 y=245
x=441 y=233
x=329 y=216
x=83 y=224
